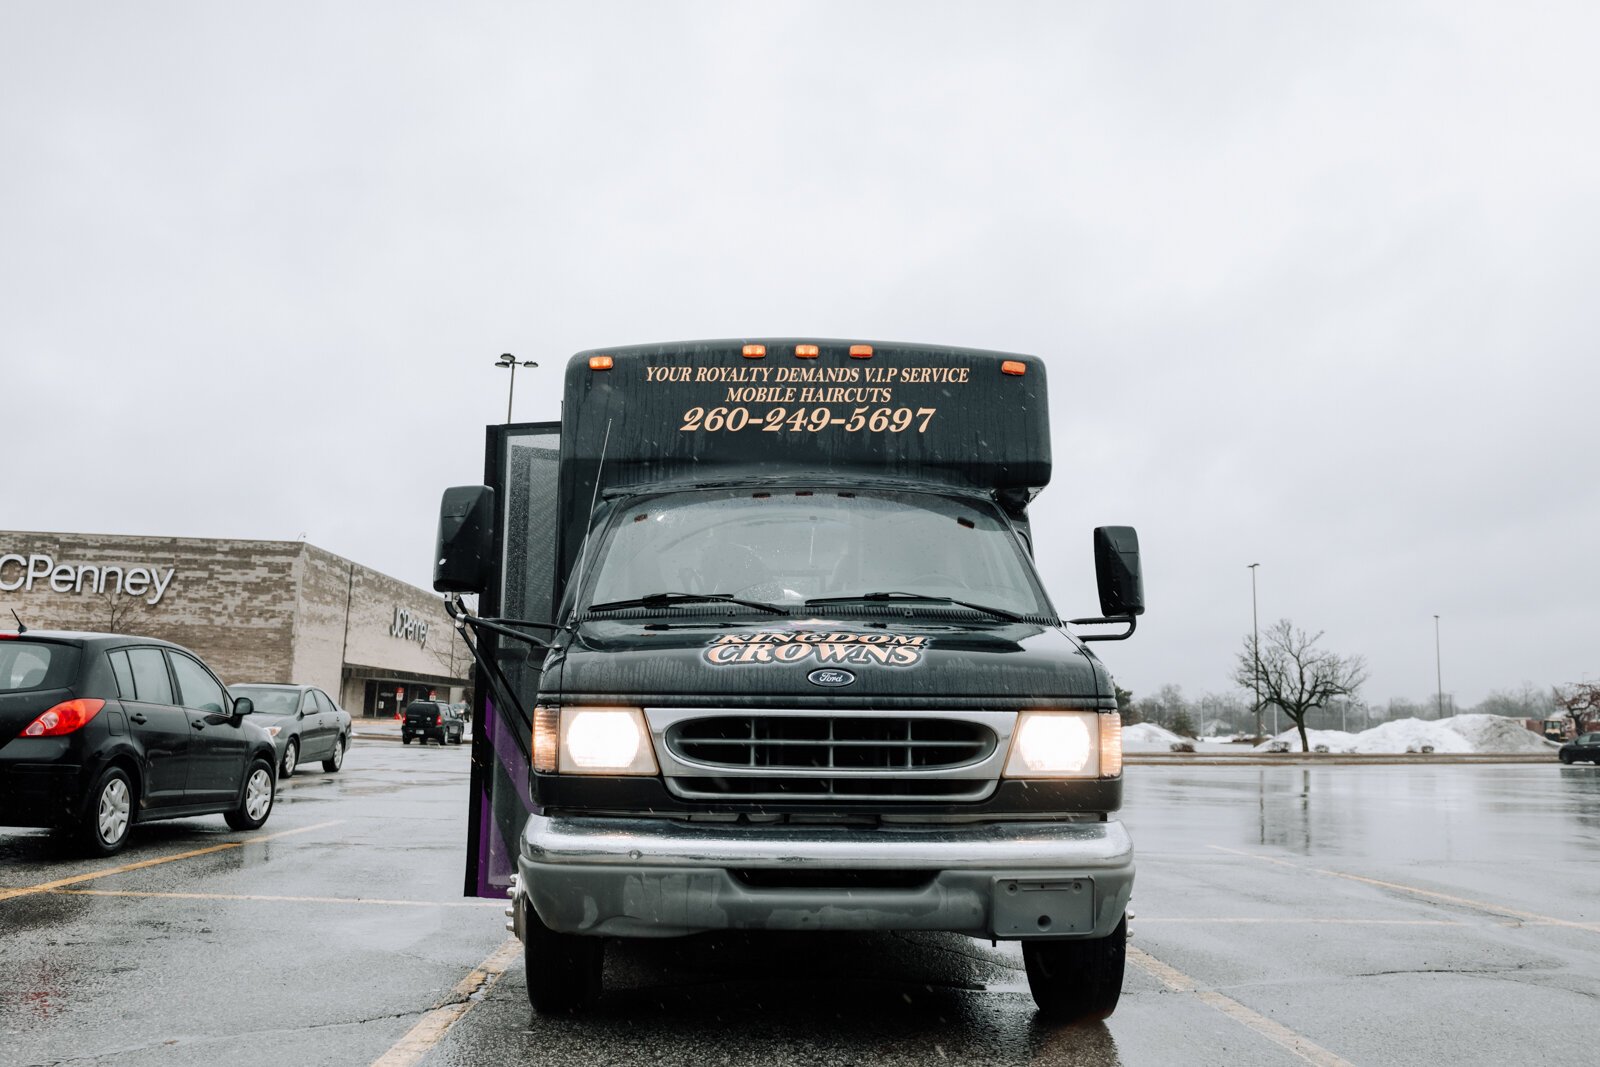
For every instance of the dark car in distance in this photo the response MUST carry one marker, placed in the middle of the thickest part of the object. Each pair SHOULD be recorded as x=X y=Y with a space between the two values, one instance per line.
x=432 y=720
x=99 y=732
x=1583 y=747
x=304 y=722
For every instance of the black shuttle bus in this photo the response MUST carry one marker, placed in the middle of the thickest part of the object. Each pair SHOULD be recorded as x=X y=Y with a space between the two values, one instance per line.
x=761 y=646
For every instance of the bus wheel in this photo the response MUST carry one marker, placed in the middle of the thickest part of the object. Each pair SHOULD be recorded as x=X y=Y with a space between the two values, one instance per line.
x=563 y=969
x=1077 y=981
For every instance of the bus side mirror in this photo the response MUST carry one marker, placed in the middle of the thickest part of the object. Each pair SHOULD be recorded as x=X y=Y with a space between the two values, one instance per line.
x=1117 y=571
x=462 y=551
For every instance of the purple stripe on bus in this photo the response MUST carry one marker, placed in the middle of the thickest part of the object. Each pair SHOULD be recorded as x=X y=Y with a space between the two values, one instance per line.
x=496 y=856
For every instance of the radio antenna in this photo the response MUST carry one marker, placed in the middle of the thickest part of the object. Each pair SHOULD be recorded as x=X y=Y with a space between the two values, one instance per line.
x=21 y=629
x=583 y=553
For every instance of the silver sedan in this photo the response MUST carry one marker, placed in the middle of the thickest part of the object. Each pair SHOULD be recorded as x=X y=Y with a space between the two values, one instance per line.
x=305 y=724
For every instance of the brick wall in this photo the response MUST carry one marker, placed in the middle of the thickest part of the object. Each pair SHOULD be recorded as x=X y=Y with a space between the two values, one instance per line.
x=257 y=611
x=230 y=601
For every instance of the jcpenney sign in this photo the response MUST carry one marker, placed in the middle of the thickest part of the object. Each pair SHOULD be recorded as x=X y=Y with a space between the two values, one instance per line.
x=24 y=572
x=409 y=627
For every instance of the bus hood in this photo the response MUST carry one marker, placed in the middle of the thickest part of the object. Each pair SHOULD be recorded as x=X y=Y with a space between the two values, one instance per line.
x=910 y=661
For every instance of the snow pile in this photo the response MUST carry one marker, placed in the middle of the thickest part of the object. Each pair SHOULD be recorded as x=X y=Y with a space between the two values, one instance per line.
x=1497 y=733
x=1462 y=733
x=1411 y=735
x=1336 y=740
x=1148 y=737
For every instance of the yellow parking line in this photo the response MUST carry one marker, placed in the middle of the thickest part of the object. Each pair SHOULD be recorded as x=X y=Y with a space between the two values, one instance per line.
x=45 y=887
x=432 y=1027
x=1427 y=894
x=1275 y=1032
x=269 y=897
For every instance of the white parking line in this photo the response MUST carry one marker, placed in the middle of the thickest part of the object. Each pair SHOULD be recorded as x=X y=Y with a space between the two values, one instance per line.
x=1288 y=920
x=432 y=1027
x=1426 y=894
x=1275 y=1032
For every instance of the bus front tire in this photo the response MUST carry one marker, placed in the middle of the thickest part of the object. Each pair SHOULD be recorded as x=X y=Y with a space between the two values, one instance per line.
x=1077 y=981
x=563 y=969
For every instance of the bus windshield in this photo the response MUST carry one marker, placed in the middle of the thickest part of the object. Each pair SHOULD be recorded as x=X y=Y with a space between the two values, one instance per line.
x=784 y=547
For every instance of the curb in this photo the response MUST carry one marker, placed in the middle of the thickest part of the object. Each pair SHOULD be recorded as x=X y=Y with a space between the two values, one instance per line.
x=1271 y=759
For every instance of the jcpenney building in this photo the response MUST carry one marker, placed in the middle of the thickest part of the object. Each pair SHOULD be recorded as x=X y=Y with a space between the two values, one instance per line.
x=256 y=611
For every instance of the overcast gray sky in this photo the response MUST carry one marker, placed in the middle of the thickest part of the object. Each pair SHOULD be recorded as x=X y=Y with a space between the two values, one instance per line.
x=1315 y=281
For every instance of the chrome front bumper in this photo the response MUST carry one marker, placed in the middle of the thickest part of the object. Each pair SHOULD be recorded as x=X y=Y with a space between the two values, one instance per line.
x=649 y=877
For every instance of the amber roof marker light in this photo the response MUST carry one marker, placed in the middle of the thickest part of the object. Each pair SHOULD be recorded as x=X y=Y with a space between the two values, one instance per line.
x=755 y=351
x=1012 y=366
x=860 y=351
x=805 y=352
x=600 y=362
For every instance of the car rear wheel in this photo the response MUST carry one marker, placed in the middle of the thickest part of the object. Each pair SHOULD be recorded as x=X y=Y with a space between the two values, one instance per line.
x=563 y=970
x=405 y=739
x=1077 y=981
x=255 y=801
x=1566 y=757
x=105 y=825
x=291 y=759
x=335 y=761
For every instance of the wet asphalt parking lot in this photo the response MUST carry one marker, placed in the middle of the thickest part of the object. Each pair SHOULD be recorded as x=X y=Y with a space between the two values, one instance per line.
x=1358 y=914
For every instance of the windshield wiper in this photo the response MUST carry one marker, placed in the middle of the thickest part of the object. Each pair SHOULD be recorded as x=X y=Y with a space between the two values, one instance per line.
x=662 y=600
x=890 y=597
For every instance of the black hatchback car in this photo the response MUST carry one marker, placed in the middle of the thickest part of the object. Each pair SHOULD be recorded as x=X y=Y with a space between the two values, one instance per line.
x=432 y=719
x=102 y=731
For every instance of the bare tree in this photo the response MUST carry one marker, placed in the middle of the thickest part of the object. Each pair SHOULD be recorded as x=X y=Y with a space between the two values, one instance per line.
x=453 y=658
x=1164 y=708
x=1223 y=713
x=115 y=614
x=1295 y=675
x=1578 y=702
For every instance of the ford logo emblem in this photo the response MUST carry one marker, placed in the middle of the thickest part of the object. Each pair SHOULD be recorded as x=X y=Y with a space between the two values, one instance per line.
x=830 y=677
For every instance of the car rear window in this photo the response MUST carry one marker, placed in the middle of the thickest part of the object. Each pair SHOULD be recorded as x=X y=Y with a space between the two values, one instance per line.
x=26 y=665
x=269 y=701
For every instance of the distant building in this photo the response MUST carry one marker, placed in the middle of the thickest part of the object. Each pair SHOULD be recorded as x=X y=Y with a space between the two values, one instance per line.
x=257 y=611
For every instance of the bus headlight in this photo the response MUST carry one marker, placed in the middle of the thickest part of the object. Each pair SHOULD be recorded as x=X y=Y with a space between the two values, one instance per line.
x=605 y=741
x=1065 y=744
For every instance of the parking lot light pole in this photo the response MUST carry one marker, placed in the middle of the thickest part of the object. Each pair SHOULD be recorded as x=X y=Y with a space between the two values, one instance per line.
x=1438 y=667
x=508 y=360
x=1255 y=643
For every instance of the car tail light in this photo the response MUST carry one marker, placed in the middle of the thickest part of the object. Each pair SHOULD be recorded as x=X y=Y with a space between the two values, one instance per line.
x=66 y=717
x=438 y=720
